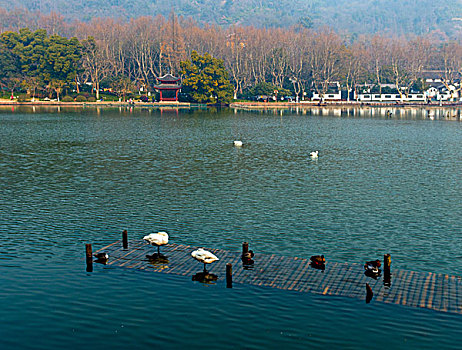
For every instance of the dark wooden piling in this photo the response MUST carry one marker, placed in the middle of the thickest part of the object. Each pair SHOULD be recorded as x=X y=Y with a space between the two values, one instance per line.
x=387 y=270
x=245 y=248
x=387 y=262
x=229 y=275
x=125 y=239
x=89 y=257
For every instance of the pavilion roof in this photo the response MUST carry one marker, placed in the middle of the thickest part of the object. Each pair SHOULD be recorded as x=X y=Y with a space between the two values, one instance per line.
x=168 y=78
x=167 y=86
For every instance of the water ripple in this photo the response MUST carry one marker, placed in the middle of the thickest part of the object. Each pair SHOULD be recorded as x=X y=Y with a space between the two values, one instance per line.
x=379 y=186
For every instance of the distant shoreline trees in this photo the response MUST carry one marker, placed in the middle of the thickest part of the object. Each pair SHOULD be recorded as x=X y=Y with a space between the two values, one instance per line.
x=126 y=57
x=35 y=60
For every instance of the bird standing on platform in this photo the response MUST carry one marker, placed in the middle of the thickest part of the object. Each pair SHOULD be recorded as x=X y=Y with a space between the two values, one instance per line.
x=248 y=255
x=247 y=259
x=314 y=154
x=204 y=256
x=318 y=261
x=158 y=239
x=372 y=266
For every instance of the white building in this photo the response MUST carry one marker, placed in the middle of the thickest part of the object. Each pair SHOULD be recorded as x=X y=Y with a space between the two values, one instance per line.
x=368 y=97
x=334 y=93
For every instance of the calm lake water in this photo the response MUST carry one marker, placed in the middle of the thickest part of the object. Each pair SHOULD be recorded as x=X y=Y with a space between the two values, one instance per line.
x=76 y=176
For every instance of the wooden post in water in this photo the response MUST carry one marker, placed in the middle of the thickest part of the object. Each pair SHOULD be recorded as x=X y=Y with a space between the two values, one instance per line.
x=125 y=239
x=387 y=263
x=89 y=257
x=245 y=248
x=387 y=270
x=229 y=275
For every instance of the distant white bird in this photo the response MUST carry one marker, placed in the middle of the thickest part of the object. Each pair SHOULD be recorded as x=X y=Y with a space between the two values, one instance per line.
x=204 y=256
x=238 y=143
x=314 y=155
x=158 y=239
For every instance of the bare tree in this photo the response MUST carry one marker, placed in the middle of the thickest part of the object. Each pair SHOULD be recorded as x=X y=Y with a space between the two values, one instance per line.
x=235 y=57
x=298 y=51
x=95 y=62
x=451 y=64
x=378 y=54
x=325 y=59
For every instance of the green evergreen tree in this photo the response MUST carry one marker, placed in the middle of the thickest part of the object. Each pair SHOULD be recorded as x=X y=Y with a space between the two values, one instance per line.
x=206 y=80
x=61 y=62
x=10 y=71
x=33 y=59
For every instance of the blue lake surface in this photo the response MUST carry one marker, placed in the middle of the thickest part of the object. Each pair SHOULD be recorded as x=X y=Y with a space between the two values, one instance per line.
x=75 y=176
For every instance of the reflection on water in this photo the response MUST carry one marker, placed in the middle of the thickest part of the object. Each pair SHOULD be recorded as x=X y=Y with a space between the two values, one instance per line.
x=386 y=112
x=408 y=113
x=369 y=293
x=372 y=274
x=158 y=260
x=387 y=279
x=382 y=184
x=205 y=277
x=248 y=264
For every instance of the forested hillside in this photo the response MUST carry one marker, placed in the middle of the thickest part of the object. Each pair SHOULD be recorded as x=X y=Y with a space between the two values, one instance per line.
x=399 y=17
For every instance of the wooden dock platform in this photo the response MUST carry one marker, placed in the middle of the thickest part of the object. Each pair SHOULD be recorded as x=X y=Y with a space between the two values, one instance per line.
x=434 y=291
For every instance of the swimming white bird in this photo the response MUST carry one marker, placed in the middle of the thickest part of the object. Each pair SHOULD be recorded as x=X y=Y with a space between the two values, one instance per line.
x=204 y=256
x=314 y=154
x=158 y=239
x=238 y=143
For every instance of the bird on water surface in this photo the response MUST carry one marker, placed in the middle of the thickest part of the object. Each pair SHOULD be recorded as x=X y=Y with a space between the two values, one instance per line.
x=314 y=154
x=204 y=256
x=158 y=239
x=238 y=143
x=101 y=257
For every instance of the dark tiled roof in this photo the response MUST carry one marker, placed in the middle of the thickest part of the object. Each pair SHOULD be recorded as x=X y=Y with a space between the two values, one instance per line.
x=167 y=86
x=168 y=78
x=432 y=74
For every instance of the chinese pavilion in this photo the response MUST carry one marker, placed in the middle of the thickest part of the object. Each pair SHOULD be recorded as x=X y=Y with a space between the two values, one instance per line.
x=168 y=87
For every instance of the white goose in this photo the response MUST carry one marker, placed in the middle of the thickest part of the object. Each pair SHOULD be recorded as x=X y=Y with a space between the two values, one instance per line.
x=314 y=155
x=238 y=143
x=158 y=239
x=204 y=256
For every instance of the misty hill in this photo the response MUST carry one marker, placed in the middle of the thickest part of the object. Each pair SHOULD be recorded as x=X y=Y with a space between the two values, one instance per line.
x=399 y=17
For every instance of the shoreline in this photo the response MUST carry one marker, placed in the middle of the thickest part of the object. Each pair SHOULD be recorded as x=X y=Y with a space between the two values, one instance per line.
x=355 y=104
x=240 y=105
x=99 y=104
